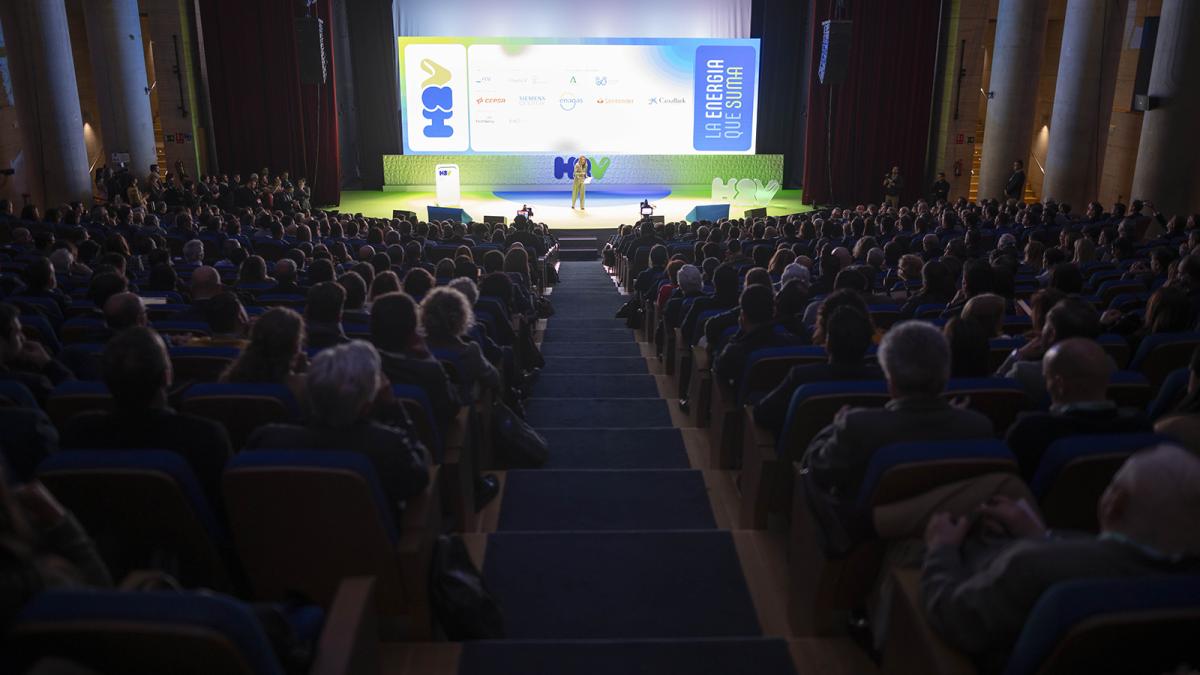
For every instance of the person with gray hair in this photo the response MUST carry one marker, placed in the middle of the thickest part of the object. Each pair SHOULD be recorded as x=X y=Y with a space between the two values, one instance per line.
x=795 y=271
x=446 y=316
x=978 y=596
x=343 y=384
x=193 y=253
x=915 y=358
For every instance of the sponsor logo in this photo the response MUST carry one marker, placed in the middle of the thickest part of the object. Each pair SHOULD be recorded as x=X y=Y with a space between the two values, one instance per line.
x=490 y=100
x=667 y=100
x=437 y=100
x=531 y=100
x=569 y=102
x=601 y=80
x=614 y=101
x=564 y=167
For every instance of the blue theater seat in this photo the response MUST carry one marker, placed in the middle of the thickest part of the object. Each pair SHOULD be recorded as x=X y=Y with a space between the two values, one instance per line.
x=144 y=508
x=349 y=532
x=75 y=396
x=201 y=364
x=1075 y=471
x=242 y=408
x=999 y=398
x=1159 y=354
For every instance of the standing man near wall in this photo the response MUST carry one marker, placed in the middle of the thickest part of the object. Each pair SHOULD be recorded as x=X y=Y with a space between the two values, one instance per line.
x=1015 y=187
x=893 y=183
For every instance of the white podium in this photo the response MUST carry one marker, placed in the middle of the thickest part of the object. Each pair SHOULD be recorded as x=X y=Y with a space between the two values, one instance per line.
x=449 y=191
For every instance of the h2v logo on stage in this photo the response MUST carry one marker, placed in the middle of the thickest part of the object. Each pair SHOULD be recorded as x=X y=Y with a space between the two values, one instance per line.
x=437 y=100
x=564 y=167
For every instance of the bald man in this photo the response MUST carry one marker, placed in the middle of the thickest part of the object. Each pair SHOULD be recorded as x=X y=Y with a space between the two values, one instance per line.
x=1077 y=372
x=124 y=310
x=285 y=276
x=978 y=597
x=206 y=283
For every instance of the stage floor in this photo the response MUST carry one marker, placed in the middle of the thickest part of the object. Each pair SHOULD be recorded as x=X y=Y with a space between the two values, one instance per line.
x=606 y=208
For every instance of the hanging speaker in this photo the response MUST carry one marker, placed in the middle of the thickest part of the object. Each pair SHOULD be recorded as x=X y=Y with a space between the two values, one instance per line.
x=310 y=50
x=835 y=51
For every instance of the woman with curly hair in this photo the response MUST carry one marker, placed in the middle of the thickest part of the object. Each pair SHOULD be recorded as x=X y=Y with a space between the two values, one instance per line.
x=446 y=316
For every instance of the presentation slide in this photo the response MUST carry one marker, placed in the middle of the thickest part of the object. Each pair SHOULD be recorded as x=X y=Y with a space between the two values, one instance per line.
x=626 y=96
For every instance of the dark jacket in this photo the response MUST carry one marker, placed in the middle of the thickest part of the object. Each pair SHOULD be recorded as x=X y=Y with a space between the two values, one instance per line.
x=731 y=362
x=1033 y=432
x=398 y=457
x=428 y=374
x=202 y=442
x=322 y=335
x=771 y=411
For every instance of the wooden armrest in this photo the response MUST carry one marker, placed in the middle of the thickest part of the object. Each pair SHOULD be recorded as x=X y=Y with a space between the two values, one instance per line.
x=349 y=642
x=756 y=435
x=700 y=358
x=457 y=434
x=912 y=645
x=422 y=515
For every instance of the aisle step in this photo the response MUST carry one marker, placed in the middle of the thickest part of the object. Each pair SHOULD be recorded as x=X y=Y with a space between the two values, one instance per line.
x=615 y=413
x=720 y=656
x=595 y=365
x=595 y=386
x=590 y=335
x=561 y=348
x=588 y=501
x=661 y=448
x=619 y=585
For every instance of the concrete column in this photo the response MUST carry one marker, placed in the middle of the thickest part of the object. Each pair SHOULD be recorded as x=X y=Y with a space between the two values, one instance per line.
x=1016 y=62
x=46 y=95
x=1168 y=160
x=114 y=31
x=1083 y=96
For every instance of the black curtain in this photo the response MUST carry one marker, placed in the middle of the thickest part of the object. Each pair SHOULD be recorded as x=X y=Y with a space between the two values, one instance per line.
x=784 y=28
x=376 y=65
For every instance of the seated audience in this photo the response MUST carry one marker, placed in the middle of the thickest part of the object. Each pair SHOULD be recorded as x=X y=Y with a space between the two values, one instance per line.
x=1071 y=317
x=26 y=361
x=445 y=317
x=1077 y=372
x=138 y=374
x=343 y=383
x=969 y=349
x=323 y=315
x=916 y=364
x=848 y=332
x=275 y=353
x=405 y=358
x=756 y=330
x=981 y=577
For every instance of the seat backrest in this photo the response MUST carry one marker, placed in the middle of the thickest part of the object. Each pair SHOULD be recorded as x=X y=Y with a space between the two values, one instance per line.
x=201 y=364
x=302 y=520
x=1159 y=354
x=766 y=368
x=1075 y=471
x=242 y=408
x=141 y=506
x=1130 y=389
x=143 y=633
x=1001 y=399
x=1143 y=625
x=196 y=328
x=903 y=470
x=75 y=396
x=814 y=405
x=17 y=394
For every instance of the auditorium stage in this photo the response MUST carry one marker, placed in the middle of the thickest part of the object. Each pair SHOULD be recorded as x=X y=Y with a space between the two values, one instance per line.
x=605 y=208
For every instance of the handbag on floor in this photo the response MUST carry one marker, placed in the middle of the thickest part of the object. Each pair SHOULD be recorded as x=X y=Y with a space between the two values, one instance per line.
x=517 y=445
x=460 y=601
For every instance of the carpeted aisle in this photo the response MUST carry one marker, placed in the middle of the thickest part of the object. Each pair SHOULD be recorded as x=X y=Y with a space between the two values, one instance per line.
x=608 y=559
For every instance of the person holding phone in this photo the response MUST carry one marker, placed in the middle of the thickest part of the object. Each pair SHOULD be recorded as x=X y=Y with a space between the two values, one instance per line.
x=580 y=176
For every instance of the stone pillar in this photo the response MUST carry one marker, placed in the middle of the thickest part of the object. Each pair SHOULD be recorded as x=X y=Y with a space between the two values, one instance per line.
x=114 y=31
x=46 y=95
x=1168 y=160
x=1016 y=63
x=1083 y=96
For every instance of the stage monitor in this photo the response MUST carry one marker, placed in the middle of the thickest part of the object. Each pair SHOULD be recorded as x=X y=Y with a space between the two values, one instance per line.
x=634 y=96
x=756 y=213
x=404 y=215
x=495 y=220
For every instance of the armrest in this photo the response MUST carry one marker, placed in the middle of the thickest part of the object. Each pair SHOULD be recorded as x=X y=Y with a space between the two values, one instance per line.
x=756 y=437
x=912 y=645
x=422 y=515
x=349 y=642
x=700 y=359
x=456 y=435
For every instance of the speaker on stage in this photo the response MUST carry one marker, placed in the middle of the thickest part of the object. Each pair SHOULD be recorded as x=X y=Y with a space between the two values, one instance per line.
x=756 y=213
x=310 y=50
x=835 y=51
x=495 y=220
x=440 y=213
x=404 y=215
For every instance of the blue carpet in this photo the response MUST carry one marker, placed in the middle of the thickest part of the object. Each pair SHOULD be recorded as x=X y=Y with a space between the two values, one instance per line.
x=603 y=413
x=598 y=365
x=723 y=656
x=586 y=323
x=595 y=386
x=593 y=335
x=594 y=197
x=616 y=449
x=589 y=501
x=615 y=585
x=560 y=348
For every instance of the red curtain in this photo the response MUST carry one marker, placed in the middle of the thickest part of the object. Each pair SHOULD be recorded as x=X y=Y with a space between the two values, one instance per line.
x=263 y=116
x=880 y=113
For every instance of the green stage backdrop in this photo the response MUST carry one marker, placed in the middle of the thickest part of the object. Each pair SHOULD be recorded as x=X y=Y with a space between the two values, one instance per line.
x=406 y=172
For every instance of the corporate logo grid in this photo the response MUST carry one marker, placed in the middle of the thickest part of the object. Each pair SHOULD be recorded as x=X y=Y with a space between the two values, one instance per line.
x=437 y=75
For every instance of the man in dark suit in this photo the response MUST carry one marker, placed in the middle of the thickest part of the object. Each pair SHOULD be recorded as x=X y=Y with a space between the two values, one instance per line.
x=286 y=277
x=1077 y=372
x=725 y=296
x=848 y=335
x=647 y=280
x=405 y=359
x=978 y=591
x=756 y=330
x=138 y=373
x=342 y=385
x=646 y=238
x=1014 y=187
x=205 y=285
x=323 y=315
x=916 y=363
x=534 y=245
